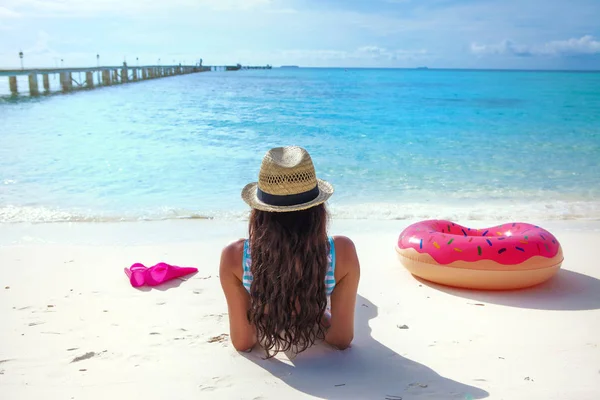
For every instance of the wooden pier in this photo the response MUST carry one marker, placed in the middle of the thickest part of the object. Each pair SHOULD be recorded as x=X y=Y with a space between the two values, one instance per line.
x=72 y=79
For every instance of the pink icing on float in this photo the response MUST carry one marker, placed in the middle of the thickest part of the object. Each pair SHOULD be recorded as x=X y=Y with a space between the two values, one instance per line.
x=447 y=242
x=507 y=256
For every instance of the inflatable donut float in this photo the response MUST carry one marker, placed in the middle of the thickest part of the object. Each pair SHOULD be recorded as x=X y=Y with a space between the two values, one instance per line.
x=509 y=256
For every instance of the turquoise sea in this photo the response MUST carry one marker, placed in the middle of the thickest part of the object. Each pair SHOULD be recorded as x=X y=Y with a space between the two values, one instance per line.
x=396 y=144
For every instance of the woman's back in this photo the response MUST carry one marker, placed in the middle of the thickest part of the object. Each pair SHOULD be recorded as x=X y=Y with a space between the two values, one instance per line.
x=248 y=276
x=280 y=282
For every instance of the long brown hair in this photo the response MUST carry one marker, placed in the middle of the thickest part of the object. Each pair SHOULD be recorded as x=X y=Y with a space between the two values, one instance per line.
x=289 y=260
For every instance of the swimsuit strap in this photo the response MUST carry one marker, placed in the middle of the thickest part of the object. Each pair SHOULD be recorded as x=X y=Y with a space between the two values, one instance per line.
x=246 y=262
x=329 y=275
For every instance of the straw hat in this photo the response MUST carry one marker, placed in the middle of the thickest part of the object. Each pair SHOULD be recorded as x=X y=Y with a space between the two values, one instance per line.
x=287 y=182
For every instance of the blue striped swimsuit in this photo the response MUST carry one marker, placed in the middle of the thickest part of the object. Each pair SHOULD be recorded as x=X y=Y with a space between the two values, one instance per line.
x=329 y=275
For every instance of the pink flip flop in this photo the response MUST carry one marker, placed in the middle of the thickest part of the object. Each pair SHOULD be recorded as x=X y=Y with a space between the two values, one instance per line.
x=163 y=272
x=136 y=274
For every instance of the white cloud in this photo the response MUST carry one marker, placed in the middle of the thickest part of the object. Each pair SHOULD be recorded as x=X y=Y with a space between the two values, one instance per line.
x=38 y=53
x=234 y=5
x=365 y=55
x=41 y=45
x=78 y=8
x=585 y=45
x=283 y=11
x=384 y=53
x=8 y=13
x=504 y=47
x=314 y=54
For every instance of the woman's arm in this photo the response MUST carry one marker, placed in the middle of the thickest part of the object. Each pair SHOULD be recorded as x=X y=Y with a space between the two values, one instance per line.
x=242 y=333
x=343 y=298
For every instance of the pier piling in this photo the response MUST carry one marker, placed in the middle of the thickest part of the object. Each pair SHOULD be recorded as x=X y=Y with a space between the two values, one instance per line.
x=12 y=82
x=46 y=80
x=89 y=80
x=66 y=81
x=106 y=77
x=33 y=85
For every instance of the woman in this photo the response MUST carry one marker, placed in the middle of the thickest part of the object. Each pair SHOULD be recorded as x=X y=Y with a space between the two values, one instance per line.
x=289 y=283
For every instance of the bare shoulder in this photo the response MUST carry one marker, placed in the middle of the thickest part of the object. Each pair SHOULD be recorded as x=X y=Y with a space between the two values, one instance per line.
x=343 y=244
x=231 y=257
x=345 y=255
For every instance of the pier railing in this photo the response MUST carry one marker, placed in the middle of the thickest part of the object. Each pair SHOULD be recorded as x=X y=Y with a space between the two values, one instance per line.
x=88 y=78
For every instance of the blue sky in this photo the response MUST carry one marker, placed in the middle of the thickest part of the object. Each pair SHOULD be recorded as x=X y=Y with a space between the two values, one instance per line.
x=531 y=34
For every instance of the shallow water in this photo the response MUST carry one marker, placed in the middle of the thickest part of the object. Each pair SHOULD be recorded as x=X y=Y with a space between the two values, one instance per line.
x=396 y=144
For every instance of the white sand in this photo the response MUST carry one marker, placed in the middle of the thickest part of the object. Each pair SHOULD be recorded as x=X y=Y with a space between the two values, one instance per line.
x=64 y=295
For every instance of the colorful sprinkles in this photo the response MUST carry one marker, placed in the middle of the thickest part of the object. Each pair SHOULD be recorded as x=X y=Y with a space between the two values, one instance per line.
x=512 y=243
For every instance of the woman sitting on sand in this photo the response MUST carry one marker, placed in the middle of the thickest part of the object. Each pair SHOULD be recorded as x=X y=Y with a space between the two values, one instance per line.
x=289 y=284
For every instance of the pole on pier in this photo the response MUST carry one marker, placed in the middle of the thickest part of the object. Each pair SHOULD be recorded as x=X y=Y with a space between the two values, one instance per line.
x=33 y=85
x=46 y=81
x=89 y=79
x=144 y=73
x=12 y=82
